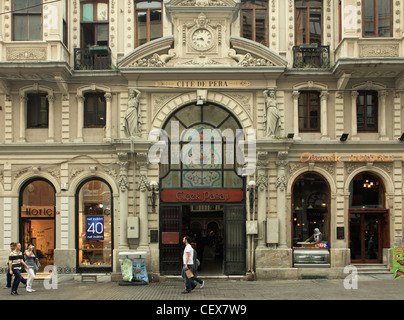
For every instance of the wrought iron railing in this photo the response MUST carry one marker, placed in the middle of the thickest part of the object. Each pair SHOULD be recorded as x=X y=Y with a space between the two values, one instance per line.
x=93 y=58
x=311 y=56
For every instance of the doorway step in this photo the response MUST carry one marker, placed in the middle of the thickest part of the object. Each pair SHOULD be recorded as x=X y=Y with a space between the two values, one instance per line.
x=372 y=268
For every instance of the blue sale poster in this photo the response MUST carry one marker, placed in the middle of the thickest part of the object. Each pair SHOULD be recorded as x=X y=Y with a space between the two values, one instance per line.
x=95 y=228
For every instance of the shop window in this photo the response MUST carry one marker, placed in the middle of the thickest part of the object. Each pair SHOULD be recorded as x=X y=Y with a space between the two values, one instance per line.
x=377 y=18
x=149 y=24
x=309 y=111
x=37 y=110
x=310 y=209
x=367 y=111
x=94 y=225
x=27 y=20
x=254 y=26
x=37 y=214
x=94 y=24
x=366 y=191
x=94 y=110
x=308 y=22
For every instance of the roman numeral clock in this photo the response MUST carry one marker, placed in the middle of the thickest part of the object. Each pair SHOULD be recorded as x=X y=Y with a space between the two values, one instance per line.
x=202 y=39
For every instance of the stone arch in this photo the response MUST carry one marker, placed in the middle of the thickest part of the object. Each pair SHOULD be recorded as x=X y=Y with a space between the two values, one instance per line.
x=31 y=177
x=87 y=175
x=82 y=90
x=35 y=88
x=369 y=85
x=387 y=181
x=310 y=85
x=191 y=97
x=322 y=172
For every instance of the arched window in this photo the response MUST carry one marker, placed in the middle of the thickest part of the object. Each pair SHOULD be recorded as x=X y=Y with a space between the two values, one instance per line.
x=254 y=21
x=366 y=191
x=193 y=163
x=94 y=226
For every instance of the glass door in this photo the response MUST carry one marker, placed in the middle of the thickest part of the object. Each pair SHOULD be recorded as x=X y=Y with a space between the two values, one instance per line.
x=365 y=237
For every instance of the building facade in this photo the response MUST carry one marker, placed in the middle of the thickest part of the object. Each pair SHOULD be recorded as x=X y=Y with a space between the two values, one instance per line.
x=100 y=100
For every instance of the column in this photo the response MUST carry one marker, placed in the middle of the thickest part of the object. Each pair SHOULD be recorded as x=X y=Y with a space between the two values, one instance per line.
x=23 y=117
x=142 y=161
x=382 y=114
x=281 y=198
x=324 y=115
x=262 y=184
x=123 y=199
x=51 y=119
x=80 y=118
x=108 y=121
x=354 y=116
x=295 y=96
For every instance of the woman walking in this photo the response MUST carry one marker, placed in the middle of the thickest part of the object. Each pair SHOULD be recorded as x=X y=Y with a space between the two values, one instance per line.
x=15 y=261
x=30 y=260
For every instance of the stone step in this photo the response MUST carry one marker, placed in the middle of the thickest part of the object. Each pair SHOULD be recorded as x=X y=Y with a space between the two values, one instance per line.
x=366 y=268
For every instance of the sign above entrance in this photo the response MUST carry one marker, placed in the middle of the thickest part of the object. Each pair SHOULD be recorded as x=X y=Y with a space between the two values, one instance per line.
x=223 y=195
x=37 y=212
x=203 y=84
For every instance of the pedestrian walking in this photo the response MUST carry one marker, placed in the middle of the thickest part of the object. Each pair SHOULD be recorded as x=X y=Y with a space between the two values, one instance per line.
x=188 y=261
x=31 y=262
x=195 y=268
x=9 y=276
x=15 y=262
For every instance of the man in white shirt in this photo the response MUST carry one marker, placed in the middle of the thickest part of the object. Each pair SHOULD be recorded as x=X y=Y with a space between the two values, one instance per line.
x=188 y=261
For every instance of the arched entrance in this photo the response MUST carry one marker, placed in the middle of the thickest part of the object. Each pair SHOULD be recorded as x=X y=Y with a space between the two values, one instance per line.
x=37 y=219
x=200 y=183
x=368 y=219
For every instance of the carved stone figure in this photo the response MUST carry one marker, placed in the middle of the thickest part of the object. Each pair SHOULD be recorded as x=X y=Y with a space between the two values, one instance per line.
x=132 y=121
x=271 y=116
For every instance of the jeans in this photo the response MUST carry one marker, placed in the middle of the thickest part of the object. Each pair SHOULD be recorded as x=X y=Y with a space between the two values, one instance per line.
x=9 y=277
x=189 y=283
x=17 y=279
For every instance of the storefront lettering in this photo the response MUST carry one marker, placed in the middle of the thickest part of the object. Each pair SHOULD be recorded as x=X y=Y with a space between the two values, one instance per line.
x=335 y=157
x=203 y=83
x=37 y=212
x=202 y=195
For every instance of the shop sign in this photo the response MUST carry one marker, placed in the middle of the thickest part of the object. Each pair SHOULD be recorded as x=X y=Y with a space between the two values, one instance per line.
x=37 y=212
x=223 y=195
x=94 y=227
x=398 y=262
x=335 y=157
x=203 y=84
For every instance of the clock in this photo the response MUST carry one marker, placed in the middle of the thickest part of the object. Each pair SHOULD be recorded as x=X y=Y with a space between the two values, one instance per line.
x=202 y=39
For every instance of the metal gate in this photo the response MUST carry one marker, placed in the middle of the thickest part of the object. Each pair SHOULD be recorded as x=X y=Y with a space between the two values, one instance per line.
x=170 y=242
x=235 y=240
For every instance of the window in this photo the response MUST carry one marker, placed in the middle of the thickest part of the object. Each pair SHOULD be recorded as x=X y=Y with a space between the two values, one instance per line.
x=94 y=227
x=37 y=110
x=367 y=106
x=309 y=111
x=377 y=18
x=308 y=23
x=149 y=24
x=94 y=110
x=254 y=24
x=27 y=23
x=94 y=24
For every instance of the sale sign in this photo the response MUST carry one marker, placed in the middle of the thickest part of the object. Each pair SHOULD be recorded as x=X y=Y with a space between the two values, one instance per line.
x=95 y=228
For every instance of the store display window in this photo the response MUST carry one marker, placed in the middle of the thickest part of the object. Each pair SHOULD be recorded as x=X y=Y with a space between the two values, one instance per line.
x=94 y=226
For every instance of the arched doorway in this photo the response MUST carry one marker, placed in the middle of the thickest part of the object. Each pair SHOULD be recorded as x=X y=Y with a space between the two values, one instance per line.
x=94 y=226
x=368 y=219
x=199 y=182
x=37 y=219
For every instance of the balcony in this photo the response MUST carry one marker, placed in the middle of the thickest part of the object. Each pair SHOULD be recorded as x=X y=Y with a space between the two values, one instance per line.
x=93 y=58
x=308 y=56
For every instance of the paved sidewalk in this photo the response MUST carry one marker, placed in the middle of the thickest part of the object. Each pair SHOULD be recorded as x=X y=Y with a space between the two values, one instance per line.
x=370 y=287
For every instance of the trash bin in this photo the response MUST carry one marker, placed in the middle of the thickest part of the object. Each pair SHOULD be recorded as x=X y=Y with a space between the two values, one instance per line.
x=133 y=269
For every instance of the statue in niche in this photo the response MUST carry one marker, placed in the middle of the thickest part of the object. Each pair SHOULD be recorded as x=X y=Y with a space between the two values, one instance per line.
x=132 y=121
x=271 y=116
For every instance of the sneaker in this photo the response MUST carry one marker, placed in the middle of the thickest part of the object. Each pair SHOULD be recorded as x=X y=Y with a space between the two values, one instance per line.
x=202 y=284
x=7 y=287
x=30 y=290
x=185 y=291
x=14 y=293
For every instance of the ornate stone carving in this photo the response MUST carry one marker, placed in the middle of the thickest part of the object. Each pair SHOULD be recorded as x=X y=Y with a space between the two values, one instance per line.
x=379 y=51
x=132 y=121
x=247 y=60
x=23 y=54
x=155 y=60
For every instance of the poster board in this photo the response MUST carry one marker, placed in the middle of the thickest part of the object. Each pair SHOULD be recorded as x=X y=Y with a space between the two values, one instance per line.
x=398 y=262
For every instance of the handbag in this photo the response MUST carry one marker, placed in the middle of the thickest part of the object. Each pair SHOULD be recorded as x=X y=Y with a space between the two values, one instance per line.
x=189 y=273
x=37 y=265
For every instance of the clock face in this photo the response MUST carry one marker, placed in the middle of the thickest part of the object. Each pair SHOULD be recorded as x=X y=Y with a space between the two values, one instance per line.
x=202 y=39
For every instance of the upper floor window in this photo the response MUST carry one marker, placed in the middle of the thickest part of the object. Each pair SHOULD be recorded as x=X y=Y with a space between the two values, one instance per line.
x=37 y=110
x=94 y=110
x=308 y=22
x=367 y=110
x=149 y=24
x=309 y=111
x=27 y=20
x=377 y=18
x=94 y=23
x=254 y=25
